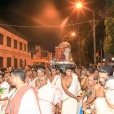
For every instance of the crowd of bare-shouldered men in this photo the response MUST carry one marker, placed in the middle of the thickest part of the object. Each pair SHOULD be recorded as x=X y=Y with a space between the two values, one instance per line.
x=49 y=91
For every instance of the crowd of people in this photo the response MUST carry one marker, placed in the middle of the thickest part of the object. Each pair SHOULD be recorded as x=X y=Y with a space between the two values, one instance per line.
x=50 y=91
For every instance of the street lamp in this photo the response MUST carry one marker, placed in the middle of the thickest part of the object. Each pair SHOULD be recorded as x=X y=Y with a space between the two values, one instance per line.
x=73 y=34
x=79 y=6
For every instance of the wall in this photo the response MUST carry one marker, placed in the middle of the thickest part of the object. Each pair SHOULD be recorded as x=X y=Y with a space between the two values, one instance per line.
x=21 y=56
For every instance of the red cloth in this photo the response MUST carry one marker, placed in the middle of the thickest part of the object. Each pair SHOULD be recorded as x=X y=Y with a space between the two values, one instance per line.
x=14 y=103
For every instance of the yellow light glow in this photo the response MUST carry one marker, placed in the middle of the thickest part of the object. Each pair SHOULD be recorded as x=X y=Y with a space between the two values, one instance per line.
x=79 y=5
x=73 y=34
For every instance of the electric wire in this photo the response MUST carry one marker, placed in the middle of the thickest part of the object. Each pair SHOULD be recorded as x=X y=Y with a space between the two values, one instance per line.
x=44 y=26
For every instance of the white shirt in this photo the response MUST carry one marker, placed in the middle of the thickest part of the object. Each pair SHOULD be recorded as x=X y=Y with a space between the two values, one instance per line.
x=56 y=83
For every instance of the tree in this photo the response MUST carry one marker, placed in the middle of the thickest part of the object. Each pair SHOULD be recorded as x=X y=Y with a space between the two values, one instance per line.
x=109 y=40
x=109 y=30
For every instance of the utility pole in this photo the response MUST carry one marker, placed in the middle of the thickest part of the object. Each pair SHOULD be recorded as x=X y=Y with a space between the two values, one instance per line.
x=79 y=52
x=94 y=39
x=101 y=52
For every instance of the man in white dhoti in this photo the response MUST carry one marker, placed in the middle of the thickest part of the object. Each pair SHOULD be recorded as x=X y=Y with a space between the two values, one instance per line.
x=56 y=82
x=69 y=97
x=40 y=72
x=34 y=78
x=46 y=94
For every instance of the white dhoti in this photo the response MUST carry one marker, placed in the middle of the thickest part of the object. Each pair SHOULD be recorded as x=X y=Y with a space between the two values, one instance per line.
x=69 y=105
x=47 y=97
x=56 y=83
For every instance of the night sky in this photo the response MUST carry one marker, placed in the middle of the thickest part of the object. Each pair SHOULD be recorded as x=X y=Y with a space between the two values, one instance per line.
x=42 y=21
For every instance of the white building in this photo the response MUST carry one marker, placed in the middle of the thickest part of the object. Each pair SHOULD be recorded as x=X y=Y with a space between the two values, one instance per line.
x=13 y=50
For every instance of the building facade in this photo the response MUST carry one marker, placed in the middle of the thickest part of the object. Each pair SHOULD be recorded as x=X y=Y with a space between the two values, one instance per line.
x=42 y=54
x=13 y=50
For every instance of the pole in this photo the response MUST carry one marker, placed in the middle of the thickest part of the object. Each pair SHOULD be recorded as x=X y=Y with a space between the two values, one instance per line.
x=101 y=52
x=94 y=39
x=79 y=53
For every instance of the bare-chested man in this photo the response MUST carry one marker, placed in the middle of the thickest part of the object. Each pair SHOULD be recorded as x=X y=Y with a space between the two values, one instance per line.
x=106 y=105
x=89 y=71
x=104 y=73
x=92 y=80
x=69 y=98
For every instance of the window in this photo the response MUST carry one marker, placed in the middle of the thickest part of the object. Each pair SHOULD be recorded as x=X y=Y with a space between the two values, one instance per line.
x=8 y=62
x=24 y=47
x=8 y=41
x=15 y=62
x=1 y=61
x=21 y=63
x=15 y=44
x=1 y=39
x=25 y=62
x=20 y=45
